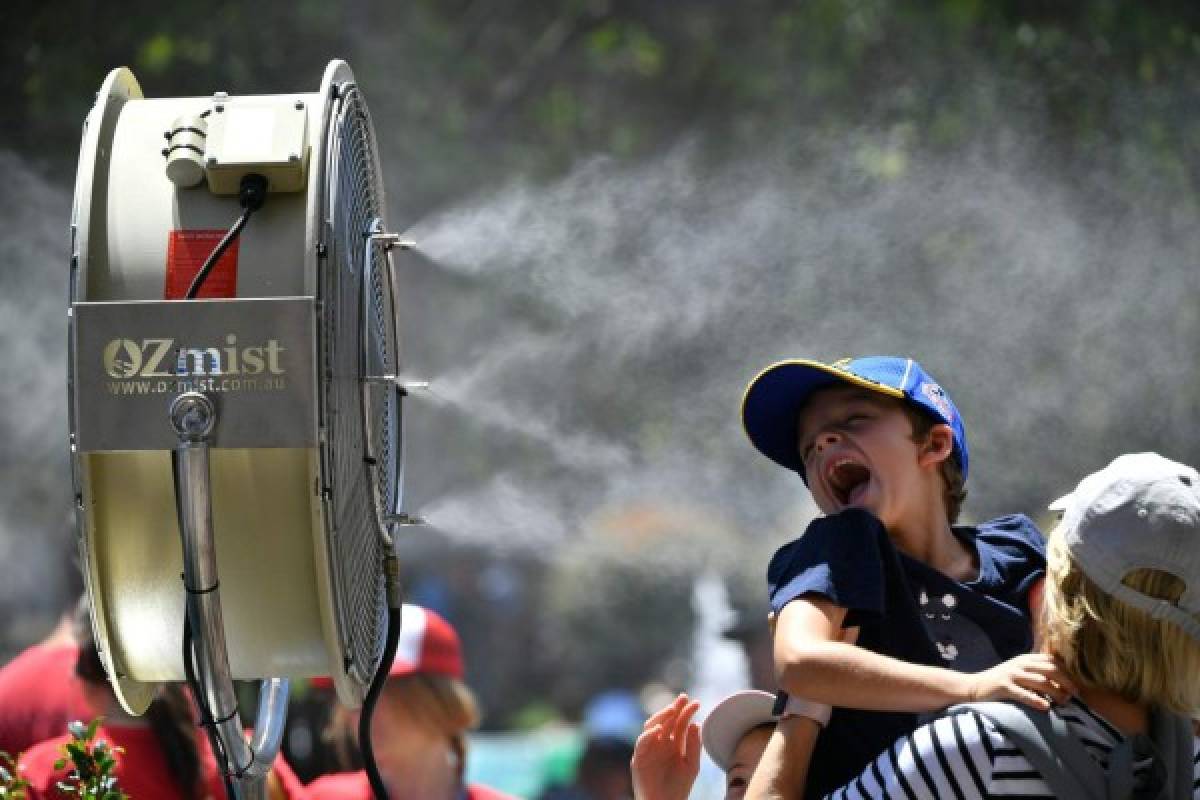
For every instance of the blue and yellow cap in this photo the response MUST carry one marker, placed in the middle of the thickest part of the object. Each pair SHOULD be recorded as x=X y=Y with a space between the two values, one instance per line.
x=773 y=400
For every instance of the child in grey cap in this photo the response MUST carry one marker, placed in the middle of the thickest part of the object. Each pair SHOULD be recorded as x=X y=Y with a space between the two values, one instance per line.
x=666 y=758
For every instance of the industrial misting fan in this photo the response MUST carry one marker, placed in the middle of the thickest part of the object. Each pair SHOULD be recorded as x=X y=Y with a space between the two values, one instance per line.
x=234 y=407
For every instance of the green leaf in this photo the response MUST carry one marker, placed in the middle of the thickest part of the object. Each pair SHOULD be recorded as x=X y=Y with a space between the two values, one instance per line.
x=604 y=39
x=157 y=53
x=92 y=776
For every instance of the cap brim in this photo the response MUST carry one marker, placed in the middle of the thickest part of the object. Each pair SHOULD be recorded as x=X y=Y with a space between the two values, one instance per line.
x=774 y=398
x=733 y=718
x=1062 y=503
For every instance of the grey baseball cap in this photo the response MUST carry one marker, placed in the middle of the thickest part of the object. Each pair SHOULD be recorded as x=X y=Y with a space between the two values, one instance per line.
x=1142 y=511
x=731 y=719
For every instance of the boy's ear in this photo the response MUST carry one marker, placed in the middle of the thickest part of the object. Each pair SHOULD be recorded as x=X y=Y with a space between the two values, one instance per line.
x=938 y=446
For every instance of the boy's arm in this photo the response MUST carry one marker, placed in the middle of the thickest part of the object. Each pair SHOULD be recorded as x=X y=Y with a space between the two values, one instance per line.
x=813 y=660
x=782 y=771
x=852 y=679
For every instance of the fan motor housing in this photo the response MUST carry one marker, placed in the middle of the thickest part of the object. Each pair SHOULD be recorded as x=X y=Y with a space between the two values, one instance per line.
x=291 y=319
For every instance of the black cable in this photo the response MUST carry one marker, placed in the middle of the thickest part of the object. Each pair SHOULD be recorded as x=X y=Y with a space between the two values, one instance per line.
x=220 y=249
x=368 y=709
x=206 y=718
x=251 y=194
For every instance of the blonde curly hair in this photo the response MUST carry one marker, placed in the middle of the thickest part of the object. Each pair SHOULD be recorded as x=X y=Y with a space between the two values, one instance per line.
x=1107 y=644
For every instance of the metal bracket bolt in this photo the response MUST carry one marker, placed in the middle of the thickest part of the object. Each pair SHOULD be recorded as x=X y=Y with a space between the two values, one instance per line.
x=193 y=416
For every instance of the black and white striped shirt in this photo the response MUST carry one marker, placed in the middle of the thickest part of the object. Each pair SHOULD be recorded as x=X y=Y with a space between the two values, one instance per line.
x=965 y=756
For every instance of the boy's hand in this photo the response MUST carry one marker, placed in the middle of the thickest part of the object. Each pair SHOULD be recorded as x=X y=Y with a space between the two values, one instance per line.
x=666 y=757
x=1034 y=679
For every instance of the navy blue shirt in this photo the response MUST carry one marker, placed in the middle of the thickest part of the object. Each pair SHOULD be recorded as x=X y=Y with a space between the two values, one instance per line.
x=907 y=610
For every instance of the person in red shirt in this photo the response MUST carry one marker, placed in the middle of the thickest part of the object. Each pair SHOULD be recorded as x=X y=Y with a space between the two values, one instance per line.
x=420 y=722
x=39 y=693
x=162 y=755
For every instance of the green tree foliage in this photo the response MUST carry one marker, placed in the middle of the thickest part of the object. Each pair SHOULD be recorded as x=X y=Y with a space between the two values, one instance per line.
x=498 y=87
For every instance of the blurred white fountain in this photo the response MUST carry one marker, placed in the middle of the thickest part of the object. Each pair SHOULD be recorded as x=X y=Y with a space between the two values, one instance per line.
x=719 y=667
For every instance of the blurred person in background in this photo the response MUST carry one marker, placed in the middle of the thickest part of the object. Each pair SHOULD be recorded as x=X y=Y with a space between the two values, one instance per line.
x=160 y=755
x=611 y=721
x=603 y=772
x=666 y=759
x=39 y=693
x=750 y=630
x=419 y=727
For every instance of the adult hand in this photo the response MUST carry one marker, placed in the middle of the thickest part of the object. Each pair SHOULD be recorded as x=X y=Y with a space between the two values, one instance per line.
x=666 y=757
x=1034 y=679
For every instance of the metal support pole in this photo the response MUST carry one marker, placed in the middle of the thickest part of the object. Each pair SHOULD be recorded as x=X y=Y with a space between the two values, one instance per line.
x=194 y=417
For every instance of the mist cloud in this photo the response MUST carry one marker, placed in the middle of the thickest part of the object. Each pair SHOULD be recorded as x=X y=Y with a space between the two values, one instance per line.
x=662 y=287
x=594 y=333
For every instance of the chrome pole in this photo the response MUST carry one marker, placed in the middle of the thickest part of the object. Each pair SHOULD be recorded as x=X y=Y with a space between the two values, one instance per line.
x=194 y=417
x=268 y=725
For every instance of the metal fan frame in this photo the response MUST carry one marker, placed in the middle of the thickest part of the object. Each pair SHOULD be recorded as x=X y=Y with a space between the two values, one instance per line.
x=313 y=221
x=347 y=107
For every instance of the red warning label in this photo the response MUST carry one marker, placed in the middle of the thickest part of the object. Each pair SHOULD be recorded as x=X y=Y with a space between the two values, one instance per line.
x=186 y=253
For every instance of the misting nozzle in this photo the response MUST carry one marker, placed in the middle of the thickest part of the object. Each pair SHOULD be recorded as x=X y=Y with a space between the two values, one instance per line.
x=390 y=240
x=395 y=380
x=404 y=518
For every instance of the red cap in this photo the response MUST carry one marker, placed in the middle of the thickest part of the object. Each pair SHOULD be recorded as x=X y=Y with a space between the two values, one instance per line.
x=428 y=645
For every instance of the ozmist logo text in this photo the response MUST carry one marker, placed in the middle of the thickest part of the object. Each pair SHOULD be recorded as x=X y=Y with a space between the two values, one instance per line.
x=161 y=358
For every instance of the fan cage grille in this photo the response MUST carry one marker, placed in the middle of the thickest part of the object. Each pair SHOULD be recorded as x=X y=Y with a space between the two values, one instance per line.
x=355 y=203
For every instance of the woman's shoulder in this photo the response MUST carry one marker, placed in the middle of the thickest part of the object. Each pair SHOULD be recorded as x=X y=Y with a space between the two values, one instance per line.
x=950 y=756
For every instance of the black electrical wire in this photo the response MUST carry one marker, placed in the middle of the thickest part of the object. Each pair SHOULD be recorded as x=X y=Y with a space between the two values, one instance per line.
x=251 y=194
x=206 y=718
x=368 y=709
x=217 y=252
x=189 y=672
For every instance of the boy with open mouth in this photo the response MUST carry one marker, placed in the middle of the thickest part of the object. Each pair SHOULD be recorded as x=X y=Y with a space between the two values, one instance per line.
x=885 y=609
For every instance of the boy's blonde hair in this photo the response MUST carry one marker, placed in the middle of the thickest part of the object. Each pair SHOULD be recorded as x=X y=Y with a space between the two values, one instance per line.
x=1107 y=644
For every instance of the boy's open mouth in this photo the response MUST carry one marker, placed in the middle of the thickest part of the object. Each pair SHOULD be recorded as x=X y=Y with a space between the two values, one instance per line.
x=847 y=478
